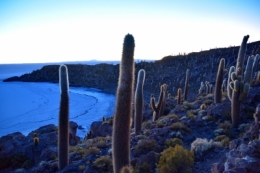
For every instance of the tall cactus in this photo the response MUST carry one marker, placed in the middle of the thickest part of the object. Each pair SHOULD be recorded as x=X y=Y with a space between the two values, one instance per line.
x=123 y=110
x=63 y=132
x=179 y=96
x=202 y=88
x=239 y=85
x=255 y=67
x=163 y=100
x=219 y=80
x=224 y=85
x=186 y=87
x=139 y=101
x=207 y=84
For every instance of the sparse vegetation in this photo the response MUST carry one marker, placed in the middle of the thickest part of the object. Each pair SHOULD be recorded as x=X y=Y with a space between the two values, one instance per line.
x=145 y=145
x=176 y=159
x=173 y=142
x=103 y=164
x=200 y=146
x=147 y=124
x=178 y=126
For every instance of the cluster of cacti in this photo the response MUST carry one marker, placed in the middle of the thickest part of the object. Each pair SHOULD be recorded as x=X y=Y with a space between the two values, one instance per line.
x=239 y=82
x=186 y=84
x=88 y=135
x=219 y=79
x=123 y=110
x=158 y=108
x=209 y=88
x=63 y=131
x=139 y=101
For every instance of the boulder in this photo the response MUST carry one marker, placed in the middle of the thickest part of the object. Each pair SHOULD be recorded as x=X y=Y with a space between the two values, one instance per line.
x=101 y=129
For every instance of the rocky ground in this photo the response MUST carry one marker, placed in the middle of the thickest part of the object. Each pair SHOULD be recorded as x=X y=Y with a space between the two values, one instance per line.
x=204 y=131
x=187 y=122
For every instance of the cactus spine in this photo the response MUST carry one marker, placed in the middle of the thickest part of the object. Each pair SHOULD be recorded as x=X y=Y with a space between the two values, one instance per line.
x=123 y=110
x=139 y=101
x=186 y=84
x=63 y=132
x=219 y=80
x=179 y=96
x=239 y=85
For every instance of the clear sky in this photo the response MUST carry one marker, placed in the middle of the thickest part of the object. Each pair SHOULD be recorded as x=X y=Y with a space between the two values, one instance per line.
x=78 y=30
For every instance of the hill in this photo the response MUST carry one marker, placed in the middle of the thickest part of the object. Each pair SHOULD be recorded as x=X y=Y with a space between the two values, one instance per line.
x=195 y=135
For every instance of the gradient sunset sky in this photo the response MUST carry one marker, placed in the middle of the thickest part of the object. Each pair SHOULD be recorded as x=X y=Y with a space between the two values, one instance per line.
x=34 y=31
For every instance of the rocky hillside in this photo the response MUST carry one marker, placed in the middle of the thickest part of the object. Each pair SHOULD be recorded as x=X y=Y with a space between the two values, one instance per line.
x=170 y=70
x=193 y=135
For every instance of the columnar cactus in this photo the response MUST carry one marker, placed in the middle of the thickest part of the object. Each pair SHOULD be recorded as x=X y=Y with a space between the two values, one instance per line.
x=255 y=71
x=207 y=87
x=163 y=100
x=139 y=101
x=224 y=85
x=179 y=96
x=239 y=85
x=186 y=84
x=202 y=88
x=219 y=80
x=123 y=110
x=210 y=88
x=158 y=107
x=257 y=115
x=35 y=140
x=63 y=132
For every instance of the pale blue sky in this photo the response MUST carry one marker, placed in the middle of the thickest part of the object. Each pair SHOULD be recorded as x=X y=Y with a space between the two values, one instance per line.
x=76 y=30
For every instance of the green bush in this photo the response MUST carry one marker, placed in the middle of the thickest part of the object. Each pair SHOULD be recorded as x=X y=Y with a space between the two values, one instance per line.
x=21 y=160
x=223 y=139
x=176 y=160
x=144 y=168
x=145 y=145
x=173 y=142
x=160 y=124
x=178 y=126
x=191 y=114
x=173 y=116
x=147 y=124
x=103 y=164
